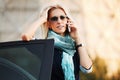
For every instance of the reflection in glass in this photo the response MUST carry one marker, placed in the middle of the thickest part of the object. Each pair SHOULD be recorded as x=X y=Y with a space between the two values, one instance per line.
x=23 y=58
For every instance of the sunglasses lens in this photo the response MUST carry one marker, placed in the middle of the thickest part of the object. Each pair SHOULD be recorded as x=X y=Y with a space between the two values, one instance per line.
x=55 y=18
x=62 y=17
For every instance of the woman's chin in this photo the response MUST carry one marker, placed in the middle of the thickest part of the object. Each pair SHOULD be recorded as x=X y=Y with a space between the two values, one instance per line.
x=61 y=31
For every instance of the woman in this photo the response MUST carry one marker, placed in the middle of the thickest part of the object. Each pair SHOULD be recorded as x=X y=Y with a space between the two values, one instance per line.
x=70 y=55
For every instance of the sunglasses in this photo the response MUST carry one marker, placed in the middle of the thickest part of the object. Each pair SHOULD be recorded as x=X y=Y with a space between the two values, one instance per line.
x=55 y=18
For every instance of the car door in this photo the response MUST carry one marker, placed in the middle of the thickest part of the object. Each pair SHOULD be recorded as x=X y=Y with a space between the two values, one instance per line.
x=22 y=60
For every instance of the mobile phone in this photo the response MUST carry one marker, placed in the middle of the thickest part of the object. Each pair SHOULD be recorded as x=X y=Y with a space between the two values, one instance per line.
x=68 y=27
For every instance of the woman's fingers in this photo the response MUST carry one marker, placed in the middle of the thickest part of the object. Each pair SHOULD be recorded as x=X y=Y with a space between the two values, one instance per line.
x=26 y=37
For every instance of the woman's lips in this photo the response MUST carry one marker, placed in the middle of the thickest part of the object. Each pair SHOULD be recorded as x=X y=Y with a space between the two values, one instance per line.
x=60 y=26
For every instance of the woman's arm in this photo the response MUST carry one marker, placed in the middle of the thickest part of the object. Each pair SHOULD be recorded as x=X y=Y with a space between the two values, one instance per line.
x=29 y=33
x=76 y=34
x=85 y=60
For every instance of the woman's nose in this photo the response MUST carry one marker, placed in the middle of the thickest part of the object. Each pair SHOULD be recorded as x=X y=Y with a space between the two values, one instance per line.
x=59 y=20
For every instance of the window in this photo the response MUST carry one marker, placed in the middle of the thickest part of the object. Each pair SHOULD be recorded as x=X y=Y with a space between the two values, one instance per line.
x=31 y=60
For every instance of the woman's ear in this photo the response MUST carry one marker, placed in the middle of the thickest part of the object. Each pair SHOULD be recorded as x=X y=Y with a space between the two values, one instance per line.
x=48 y=24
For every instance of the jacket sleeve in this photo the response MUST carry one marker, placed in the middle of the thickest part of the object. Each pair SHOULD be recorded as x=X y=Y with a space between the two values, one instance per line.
x=86 y=70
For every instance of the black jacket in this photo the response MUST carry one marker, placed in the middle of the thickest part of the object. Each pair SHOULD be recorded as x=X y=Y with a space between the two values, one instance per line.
x=57 y=72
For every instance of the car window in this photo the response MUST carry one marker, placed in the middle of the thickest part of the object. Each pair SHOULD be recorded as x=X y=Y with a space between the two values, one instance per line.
x=27 y=60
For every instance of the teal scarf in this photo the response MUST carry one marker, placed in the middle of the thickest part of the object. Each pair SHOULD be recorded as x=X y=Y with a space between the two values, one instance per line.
x=66 y=44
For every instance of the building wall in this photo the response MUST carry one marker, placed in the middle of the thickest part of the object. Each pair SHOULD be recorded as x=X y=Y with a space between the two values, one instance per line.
x=14 y=14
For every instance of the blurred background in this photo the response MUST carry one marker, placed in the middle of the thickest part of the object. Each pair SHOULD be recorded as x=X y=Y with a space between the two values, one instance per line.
x=100 y=20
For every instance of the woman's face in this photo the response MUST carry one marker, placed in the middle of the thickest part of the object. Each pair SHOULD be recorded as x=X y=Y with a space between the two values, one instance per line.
x=57 y=21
